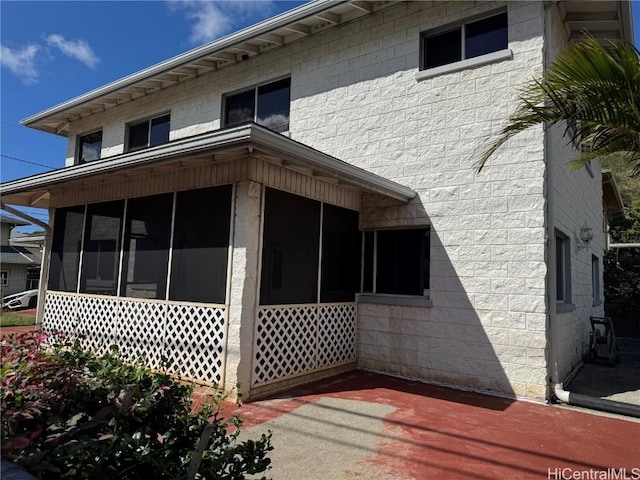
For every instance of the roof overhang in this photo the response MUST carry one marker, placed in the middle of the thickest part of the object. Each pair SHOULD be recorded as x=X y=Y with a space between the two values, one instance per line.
x=253 y=139
x=605 y=20
x=290 y=26
x=611 y=200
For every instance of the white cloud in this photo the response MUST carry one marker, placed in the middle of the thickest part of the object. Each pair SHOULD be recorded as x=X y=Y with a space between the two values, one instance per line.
x=78 y=49
x=21 y=61
x=212 y=19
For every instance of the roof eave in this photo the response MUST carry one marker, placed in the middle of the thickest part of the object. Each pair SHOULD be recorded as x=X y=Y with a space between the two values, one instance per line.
x=246 y=135
x=261 y=28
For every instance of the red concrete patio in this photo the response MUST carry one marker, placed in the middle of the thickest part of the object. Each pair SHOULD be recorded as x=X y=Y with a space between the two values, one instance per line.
x=372 y=426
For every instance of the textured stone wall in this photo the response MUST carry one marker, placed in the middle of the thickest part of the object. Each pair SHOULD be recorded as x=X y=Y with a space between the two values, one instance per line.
x=355 y=96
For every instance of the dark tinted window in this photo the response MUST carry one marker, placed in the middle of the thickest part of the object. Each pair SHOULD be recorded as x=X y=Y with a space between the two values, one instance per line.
x=341 y=244
x=367 y=267
x=239 y=108
x=290 y=249
x=146 y=247
x=90 y=146
x=159 y=130
x=138 y=135
x=102 y=248
x=154 y=131
x=560 y=269
x=486 y=36
x=443 y=48
x=65 y=249
x=468 y=40
x=273 y=105
x=201 y=245
x=401 y=259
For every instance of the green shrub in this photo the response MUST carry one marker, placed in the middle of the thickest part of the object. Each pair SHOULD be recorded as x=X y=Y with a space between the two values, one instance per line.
x=67 y=413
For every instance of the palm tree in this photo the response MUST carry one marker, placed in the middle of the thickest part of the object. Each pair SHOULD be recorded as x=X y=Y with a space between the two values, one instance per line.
x=596 y=91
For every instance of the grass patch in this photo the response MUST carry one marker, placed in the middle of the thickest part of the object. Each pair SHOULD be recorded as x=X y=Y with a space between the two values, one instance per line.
x=13 y=320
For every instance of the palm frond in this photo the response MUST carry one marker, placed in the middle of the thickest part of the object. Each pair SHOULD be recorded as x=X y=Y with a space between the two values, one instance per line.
x=595 y=90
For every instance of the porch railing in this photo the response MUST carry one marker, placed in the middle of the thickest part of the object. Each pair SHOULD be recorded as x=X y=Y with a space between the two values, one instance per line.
x=187 y=340
x=294 y=340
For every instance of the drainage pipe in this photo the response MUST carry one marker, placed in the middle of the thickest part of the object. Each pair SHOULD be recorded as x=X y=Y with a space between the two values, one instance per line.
x=596 y=403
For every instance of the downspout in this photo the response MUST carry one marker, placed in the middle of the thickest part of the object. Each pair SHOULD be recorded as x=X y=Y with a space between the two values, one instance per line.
x=552 y=327
x=595 y=403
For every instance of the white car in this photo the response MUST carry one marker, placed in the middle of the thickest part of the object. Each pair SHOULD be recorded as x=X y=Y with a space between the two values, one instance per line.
x=17 y=301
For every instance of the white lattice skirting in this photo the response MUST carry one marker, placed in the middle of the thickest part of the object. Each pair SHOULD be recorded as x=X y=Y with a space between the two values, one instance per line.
x=293 y=340
x=188 y=339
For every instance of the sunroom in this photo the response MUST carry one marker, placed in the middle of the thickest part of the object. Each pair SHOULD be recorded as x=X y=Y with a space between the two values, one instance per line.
x=229 y=257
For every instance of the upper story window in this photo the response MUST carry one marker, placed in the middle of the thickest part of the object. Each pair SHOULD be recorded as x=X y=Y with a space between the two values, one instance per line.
x=464 y=41
x=90 y=147
x=266 y=105
x=148 y=133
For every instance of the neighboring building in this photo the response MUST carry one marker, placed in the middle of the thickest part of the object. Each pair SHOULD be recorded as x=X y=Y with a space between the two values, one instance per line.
x=19 y=266
x=298 y=198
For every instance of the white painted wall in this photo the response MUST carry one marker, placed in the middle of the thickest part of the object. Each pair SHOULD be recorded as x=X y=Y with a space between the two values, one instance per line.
x=355 y=96
x=577 y=201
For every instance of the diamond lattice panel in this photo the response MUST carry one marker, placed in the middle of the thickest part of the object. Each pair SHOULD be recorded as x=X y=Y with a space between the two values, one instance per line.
x=59 y=313
x=140 y=333
x=98 y=320
x=336 y=335
x=194 y=342
x=285 y=343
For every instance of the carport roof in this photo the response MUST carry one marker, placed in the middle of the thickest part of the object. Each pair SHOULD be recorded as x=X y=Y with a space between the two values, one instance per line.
x=251 y=138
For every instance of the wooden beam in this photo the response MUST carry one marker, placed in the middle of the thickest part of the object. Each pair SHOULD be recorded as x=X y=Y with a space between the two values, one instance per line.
x=299 y=28
x=329 y=17
x=223 y=56
x=246 y=47
x=364 y=6
x=271 y=38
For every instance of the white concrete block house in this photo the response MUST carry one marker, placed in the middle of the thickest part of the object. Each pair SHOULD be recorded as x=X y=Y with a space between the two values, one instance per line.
x=298 y=199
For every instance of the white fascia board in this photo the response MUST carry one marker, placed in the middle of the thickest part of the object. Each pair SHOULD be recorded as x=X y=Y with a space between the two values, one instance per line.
x=245 y=135
x=273 y=23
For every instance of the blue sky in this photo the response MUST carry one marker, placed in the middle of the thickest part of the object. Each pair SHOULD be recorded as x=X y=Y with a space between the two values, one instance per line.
x=53 y=51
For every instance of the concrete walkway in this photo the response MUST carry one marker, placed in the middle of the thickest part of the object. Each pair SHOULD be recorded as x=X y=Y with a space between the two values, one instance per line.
x=362 y=425
x=619 y=382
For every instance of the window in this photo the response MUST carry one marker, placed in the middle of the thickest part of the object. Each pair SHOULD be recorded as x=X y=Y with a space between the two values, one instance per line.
x=291 y=242
x=301 y=235
x=469 y=40
x=201 y=245
x=148 y=133
x=101 y=249
x=595 y=280
x=396 y=262
x=146 y=247
x=65 y=249
x=563 y=268
x=4 y=278
x=266 y=105
x=341 y=243
x=90 y=147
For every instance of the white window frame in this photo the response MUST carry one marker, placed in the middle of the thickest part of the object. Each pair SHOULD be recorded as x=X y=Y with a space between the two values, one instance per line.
x=464 y=63
x=423 y=300
x=562 y=249
x=595 y=280
x=4 y=278
x=148 y=121
x=79 y=146
x=254 y=89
